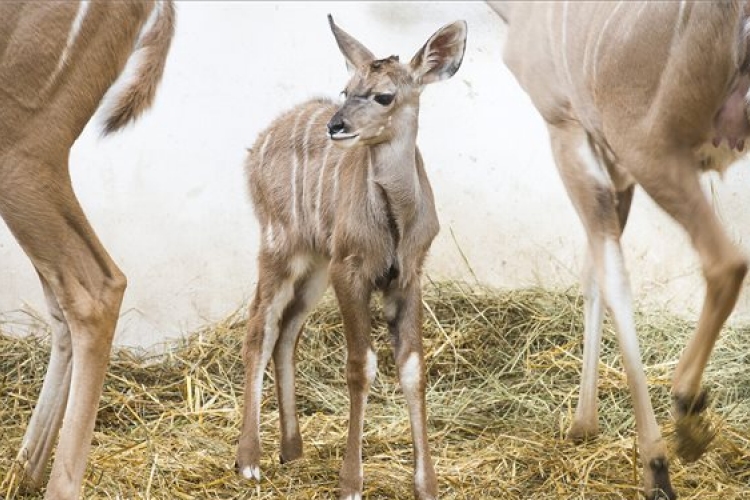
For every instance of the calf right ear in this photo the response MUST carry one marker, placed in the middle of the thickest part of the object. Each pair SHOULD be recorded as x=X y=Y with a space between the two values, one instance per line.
x=441 y=56
x=354 y=52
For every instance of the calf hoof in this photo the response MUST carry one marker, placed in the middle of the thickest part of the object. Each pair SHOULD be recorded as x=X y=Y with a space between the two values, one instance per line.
x=291 y=450
x=251 y=472
x=693 y=428
x=29 y=476
x=581 y=433
x=351 y=496
x=662 y=486
x=350 y=489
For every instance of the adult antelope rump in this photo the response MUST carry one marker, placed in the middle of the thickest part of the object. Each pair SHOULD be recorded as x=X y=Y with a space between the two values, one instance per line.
x=57 y=62
x=650 y=94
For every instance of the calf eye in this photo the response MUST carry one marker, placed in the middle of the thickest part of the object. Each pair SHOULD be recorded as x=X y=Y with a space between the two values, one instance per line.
x=384 y=99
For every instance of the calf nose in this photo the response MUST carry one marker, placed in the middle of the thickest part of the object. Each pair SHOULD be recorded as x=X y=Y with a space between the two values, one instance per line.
x=336 y=125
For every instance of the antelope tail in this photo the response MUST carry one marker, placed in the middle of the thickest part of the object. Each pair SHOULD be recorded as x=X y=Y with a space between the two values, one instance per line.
x=131 y=95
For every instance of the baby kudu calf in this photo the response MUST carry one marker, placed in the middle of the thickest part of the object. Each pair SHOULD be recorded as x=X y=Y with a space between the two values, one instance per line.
x=348 y=201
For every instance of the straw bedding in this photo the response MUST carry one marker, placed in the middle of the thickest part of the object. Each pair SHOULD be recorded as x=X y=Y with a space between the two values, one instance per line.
x=503 y=373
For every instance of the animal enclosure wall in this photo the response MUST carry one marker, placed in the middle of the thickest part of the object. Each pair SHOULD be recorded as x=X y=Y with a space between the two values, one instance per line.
x=168 y=196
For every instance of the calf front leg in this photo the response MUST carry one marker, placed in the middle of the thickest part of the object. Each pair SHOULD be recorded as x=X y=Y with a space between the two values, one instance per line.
x=403 y=311
x=307 y=293
x=353 y=295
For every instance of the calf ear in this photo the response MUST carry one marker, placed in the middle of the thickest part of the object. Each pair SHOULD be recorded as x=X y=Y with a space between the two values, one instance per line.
x=441 y=56
x=354 y=52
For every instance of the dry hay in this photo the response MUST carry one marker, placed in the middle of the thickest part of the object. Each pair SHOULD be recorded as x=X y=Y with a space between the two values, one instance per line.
x=503 y=374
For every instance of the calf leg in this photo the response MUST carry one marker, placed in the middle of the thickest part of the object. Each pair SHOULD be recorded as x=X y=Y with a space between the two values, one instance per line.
x=592 y=194
x=403 y=310
x=353 y=295
x=306 y=294
x=277 y=280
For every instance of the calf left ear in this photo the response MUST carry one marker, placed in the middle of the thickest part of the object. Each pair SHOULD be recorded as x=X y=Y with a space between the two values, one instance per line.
x=441 y=56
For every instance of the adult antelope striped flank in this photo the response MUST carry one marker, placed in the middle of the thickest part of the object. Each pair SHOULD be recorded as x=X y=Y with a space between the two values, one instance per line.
x=352 y=205
x=647 y=93
x=57 y=62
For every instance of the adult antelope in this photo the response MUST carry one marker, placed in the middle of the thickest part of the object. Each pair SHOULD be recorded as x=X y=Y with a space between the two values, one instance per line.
x=648 y=93
x=57 y=62
x=354 y=207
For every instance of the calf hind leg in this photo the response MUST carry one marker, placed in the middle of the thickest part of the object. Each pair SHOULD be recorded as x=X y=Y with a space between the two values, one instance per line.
x=307 y=293
x=277 y=284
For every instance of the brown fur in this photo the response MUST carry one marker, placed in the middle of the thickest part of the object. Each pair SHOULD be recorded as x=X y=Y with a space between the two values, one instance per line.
x=639 y=93
x=52 y=79
x=361 y=215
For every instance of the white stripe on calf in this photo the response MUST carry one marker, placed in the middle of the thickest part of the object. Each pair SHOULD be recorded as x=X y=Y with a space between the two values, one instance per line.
x=306 y=152
x=262 y=153
x=336 y=179
x=319 y=192
x=295 y=168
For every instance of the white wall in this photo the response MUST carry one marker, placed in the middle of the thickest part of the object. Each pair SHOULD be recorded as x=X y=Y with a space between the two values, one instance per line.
x=168 y=196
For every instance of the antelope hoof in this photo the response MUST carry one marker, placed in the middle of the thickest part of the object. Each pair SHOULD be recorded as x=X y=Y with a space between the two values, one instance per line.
x=30 y=475
x=662 y=486
x=285 y=458
x=689 y=405
x=581 y=433
x=351 y=496
x=250 y=472
x=291 y=450
x=424 y=496
x=693 y=428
